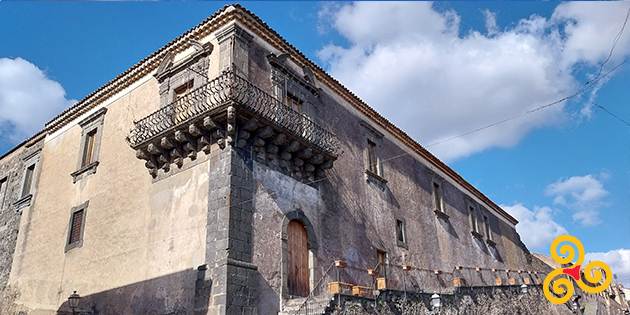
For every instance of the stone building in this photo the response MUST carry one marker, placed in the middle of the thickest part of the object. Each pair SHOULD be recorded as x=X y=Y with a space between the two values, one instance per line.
x=225 y=174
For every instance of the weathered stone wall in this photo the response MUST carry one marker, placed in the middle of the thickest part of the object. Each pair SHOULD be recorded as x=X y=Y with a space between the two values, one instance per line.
x=353 y=214
x=11 y=180
x=480 y=301
x=143 y=238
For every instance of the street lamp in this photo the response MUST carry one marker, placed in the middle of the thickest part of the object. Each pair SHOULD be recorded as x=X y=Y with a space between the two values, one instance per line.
x=524 y=289
x=73 y=301
x=576 y=305
x=436 y=303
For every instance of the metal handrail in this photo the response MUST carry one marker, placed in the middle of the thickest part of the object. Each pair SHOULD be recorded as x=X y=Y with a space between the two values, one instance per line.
x=229 y=88
x=311 y=294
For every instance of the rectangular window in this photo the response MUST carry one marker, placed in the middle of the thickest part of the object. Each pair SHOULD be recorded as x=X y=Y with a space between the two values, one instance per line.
x=486 y=223
x=372 y=159
x=293 y=102
x=183 y=90
x=400 y=231
x=473 y=219
x=88 y=152
x=91 y=134
x=380 y=256
x=3 y=190
x=76 y=226
x=28 y=181
x=437 y=197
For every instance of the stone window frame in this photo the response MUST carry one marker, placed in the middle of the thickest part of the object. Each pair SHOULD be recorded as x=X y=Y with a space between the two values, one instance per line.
x=89 y=125
x=472 y=208
x=312 y=245
x=31 y=162
x=488 y=228
x=437 y=197
x=287 y=83
x=373 y=141
x=402 y=221
x=82 y=207
x=193 y=67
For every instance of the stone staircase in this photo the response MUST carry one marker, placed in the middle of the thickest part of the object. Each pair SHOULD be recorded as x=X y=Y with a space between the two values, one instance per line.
x=316 y=305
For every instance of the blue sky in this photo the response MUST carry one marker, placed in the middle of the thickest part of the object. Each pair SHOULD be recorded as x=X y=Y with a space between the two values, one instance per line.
x=436 y=70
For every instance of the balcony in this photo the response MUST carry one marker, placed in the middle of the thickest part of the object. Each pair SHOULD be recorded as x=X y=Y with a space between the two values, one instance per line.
x=230 y=110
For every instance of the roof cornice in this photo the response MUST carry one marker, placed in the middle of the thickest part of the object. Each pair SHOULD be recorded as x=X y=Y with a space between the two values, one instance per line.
x=225 y=15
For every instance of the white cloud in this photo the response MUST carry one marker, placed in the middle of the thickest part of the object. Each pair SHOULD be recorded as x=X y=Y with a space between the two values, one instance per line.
x=582 y=194
x=28 y=99
x=491 y=22
x=411 y=63
x=536 y=228
x=618 y=260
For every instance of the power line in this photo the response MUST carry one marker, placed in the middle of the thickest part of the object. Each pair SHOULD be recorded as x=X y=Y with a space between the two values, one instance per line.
x=605 y=109
x=585 y=88
x=615 y=41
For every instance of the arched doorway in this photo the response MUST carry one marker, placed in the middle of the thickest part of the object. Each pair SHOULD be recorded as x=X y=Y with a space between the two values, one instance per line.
x=297 y=259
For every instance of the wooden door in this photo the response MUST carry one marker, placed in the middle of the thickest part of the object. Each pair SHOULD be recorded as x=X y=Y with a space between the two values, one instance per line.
x=297 y=259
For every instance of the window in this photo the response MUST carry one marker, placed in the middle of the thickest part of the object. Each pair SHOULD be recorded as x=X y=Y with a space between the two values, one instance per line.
x=380 y=257
x=486 y=224
x=437 y=197
x=474 y=224
x=183 y=90
x=293 y=102
x=88 y=152
x=473 y=219
x=76 y=226
x=29 y=178
x=3 y=190
x=489 y=238
x=401 y=237
x=92 y=130
x=28 y=181
x=372 y=160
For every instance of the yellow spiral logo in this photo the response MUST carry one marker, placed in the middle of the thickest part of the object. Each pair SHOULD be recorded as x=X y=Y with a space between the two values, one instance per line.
x=596 y=272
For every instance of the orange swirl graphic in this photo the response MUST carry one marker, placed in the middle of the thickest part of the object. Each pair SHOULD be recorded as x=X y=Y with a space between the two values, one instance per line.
x=563 y=287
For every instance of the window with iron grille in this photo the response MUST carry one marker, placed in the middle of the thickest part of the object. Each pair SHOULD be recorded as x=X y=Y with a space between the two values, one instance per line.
x=76 y=226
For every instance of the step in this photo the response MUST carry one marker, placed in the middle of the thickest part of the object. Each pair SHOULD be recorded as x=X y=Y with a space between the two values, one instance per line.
x=316 y=305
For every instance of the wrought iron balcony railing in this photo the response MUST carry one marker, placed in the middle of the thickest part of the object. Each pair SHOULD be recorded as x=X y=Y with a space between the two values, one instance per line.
x=227 y=89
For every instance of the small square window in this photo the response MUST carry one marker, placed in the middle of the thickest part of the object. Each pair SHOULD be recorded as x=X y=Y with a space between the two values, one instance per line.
x=76 y=227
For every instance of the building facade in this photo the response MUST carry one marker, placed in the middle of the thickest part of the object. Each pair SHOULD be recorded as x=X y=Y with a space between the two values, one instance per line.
x=225 y=174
